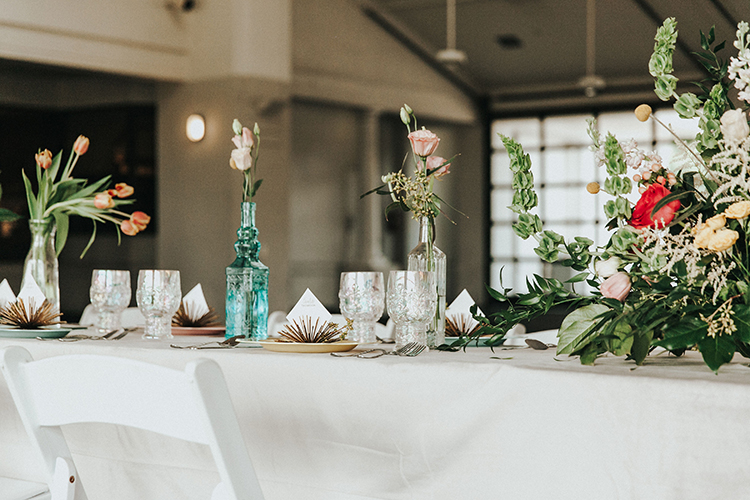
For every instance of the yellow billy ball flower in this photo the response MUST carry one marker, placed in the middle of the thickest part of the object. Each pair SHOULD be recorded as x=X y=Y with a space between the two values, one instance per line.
x=592 y=187
x=642 y=112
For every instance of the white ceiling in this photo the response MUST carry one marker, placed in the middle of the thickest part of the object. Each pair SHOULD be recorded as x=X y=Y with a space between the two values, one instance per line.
x=552 y=55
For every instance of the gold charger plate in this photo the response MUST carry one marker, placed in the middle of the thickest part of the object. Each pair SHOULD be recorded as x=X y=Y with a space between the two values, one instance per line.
x=274 y=345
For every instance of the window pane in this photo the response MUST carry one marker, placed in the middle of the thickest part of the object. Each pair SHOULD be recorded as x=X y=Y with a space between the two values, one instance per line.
x=571 y=204
x=625 y=126
x=524 y=130
x=502 y=242
x=500 y=169
x=685 y=129
x=500 y=199
x=566 y=165
x=569 y=130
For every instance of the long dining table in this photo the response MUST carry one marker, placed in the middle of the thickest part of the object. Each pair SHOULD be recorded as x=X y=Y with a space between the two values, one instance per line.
x=473 y=424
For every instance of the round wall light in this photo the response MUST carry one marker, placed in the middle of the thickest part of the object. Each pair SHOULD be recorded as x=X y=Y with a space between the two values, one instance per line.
x=195 y=127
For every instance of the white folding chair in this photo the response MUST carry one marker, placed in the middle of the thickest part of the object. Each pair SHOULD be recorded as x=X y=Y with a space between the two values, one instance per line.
x=192 y=405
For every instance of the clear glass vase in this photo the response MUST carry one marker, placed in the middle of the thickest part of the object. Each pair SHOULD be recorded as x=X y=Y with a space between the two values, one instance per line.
x=247 y=283
x=41 y=261
x=427 y=257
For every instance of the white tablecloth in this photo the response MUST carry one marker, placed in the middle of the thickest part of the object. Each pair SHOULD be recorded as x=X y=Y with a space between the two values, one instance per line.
x=439 y=426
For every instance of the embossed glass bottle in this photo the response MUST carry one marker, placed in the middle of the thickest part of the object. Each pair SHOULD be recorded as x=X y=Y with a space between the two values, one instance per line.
x=247 y=283
x=427 y=257
x=41 y=261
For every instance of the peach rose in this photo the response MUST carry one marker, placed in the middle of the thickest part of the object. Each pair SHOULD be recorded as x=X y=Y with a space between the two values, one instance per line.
x=122 y=190
x=128 y=228
x=722 y=239
x=423 y=142
x=81 y=145
x=738 y=210
x=103 y=201
x=140 y=220
x=703 y=236
x=241 y=159
x=433 y=165
x=245 y=140
x=44 y=159
x=616 y=286
x=716 y=222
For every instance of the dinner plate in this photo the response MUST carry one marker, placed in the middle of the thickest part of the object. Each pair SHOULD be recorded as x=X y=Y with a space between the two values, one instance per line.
x=275 y=345
x=45 y=333
x=198 y=330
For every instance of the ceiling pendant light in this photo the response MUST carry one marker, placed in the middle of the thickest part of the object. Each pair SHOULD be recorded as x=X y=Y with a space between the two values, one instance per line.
x=450 y=55
x=591 y=83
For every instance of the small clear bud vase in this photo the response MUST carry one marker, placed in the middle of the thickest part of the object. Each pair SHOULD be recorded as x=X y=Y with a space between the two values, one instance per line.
x=427 y=257
x=41 y=261
x=247 y=283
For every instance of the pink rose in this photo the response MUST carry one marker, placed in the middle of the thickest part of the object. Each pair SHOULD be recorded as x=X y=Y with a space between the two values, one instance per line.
x=616 y=286
x=103 y=201
x=423 y=142
x=241 y=159
x=245 y=140
x=434 y=166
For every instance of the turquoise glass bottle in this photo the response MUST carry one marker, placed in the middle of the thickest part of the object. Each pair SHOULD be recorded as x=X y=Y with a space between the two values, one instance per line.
x=247 y=283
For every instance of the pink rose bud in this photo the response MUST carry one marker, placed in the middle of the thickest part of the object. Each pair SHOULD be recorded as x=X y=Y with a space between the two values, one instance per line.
x=646 y=175
x=435 y=166
x=128 y=228
x=655 y=167
x=247 y=137
x=140 y=220
x=123 y=190
x=103 y=200
x=81 y=145
x=44 y=159
x=661 y=180
x=423 y=142
x=637 y=178
x=616 y=286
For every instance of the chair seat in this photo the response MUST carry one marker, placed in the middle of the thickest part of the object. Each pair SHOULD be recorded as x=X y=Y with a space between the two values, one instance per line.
x=16 y=489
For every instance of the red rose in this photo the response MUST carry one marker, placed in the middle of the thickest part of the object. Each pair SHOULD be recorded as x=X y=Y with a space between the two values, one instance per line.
x=642 y=212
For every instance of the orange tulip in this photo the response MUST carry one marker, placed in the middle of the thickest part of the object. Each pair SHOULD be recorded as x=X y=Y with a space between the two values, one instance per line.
x=103 y=201
x=140 y=220
x=44 y=159
x=128 y=228
x=81 y=145
x=123 y=190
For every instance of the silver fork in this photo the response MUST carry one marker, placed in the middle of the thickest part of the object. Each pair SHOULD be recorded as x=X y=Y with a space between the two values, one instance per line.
x=74 y=338
x=410 y=350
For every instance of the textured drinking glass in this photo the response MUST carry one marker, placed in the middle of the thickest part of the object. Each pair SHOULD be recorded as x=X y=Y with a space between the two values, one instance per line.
x=362 y=300
x=158 y=296
x=110 y=295
x=411 y=299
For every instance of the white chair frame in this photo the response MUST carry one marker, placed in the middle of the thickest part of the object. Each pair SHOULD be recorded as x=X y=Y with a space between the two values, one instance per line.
x=193 y=405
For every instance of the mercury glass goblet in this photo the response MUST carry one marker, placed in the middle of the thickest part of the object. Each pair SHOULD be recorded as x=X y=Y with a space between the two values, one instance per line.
x=411 y=299
x=362 y=300
x=110 y=294
x=158 y=295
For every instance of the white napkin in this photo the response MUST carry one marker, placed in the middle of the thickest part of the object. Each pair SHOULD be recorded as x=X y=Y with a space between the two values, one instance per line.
x=31 y=293
x=461 y=307
x=7 y=296
x=195 y=303
x=309 y=305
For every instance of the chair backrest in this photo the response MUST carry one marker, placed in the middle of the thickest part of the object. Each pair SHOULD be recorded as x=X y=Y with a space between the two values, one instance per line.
x=193 y=405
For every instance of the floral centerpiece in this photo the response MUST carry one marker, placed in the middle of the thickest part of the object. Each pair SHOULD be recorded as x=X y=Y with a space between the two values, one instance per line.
x=247 y=276
x=675 y=272
x=59 y=196
x=415 y=194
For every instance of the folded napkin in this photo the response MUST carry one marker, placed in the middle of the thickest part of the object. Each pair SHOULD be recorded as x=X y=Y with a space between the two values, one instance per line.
x=30 y=293
x=195 y=303
x=461 y=306
x=309 y=306
x=7 y=296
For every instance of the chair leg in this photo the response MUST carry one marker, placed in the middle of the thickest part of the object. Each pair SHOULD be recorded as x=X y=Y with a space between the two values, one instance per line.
x=64 y=480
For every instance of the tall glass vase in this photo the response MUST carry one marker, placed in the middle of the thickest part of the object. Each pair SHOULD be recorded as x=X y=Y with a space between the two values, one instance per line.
x=41 y=261
x=247 y=283
x=427 y=257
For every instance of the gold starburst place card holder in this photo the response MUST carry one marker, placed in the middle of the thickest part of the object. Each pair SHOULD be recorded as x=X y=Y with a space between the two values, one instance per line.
x=194 y=311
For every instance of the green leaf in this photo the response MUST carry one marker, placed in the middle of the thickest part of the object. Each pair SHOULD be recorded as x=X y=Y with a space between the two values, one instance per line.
x=93 y=237
x=684 y=334
x=717 y=350
x=495 y=294
x=668 y=199
x=61 y=221
x=256 y=186
x=741 y=319
x=7 y=215
x=576 y=326
x=641 y=345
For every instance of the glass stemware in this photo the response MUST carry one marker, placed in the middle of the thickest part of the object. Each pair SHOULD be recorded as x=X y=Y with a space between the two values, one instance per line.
x=362 y=300
x=110 y=294
x=158 y=295
x=411 y=299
